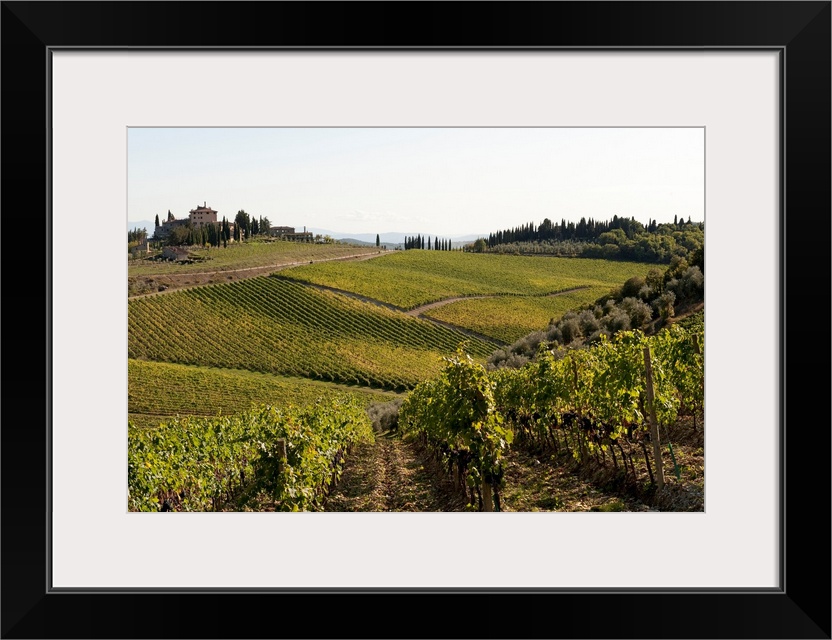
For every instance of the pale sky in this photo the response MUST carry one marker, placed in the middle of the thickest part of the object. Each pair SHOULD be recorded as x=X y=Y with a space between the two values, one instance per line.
x=445 y=181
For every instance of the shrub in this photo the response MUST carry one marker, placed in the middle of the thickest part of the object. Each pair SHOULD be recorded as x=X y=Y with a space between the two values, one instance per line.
x=610 y=251
x=530 y=343
x=639 y=312
x=515 y=361
x=678 y=266
x=554 y=334
x=496 y=359
x=617 y=320
x=596 y=336
x=632 y=287
x=664 y=305
x=588 y=322
x=385 y=416
x=690 y=286
x=655 y=280
x=570 y=330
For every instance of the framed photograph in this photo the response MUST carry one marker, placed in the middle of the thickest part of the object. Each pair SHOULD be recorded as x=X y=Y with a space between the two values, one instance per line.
x=327 y=300
x=91 y=87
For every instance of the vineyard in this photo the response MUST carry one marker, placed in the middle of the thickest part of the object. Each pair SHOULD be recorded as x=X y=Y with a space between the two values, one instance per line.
x=507 y=318
x=281 y=459
x=248 y=255
x=272 y=325
x=159 y=390
x=252 y=394
x=602 y=406
x=408 y=279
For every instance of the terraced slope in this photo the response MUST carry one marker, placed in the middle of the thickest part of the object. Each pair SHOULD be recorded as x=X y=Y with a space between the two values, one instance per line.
x=273 y=325
x=408 y=279
x=508 y=318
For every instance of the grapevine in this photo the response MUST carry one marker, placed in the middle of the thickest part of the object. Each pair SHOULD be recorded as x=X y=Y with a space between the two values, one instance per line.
x=291 y=455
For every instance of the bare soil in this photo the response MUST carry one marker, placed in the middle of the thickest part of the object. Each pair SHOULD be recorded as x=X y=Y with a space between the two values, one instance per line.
x=395 y=475
x=392 y=475
x=140 y=286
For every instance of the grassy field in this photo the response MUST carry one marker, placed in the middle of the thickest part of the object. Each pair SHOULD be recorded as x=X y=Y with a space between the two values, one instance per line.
x=248 y=255
x=509 y=318
x=273 y=325
x=412 y=278
x=160 y=389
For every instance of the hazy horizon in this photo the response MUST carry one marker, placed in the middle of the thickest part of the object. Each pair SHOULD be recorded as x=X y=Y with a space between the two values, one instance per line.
x=445 y=181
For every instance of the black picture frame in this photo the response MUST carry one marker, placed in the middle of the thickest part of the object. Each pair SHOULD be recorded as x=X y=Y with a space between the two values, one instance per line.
x=800 y=608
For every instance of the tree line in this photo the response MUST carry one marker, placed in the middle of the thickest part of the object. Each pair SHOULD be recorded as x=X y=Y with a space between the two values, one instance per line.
x=616 y=239
x=219 y=233
x=136 y=235
x=246 y=226
x=586 y=229
x=418 y=242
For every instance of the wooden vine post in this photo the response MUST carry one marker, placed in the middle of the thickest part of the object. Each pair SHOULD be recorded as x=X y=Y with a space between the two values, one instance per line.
x=281 y=463
x=579 y=434
x=698 y=350
x=654 y=426
x=281 y=455
x=487 y=501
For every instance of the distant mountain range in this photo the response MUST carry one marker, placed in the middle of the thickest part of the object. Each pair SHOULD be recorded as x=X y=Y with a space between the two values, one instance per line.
x=391 y=238
x=147 y=225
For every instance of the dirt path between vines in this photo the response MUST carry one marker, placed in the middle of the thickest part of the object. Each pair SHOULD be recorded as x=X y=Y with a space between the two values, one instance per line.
x=441 y=303
x=545 y=485
x=393 y=475
x=390 y=475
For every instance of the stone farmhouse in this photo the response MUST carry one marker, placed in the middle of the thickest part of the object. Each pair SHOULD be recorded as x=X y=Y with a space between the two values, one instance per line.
x=143 y=248
x=166 y=228
x=198 y=217
x=202 y=215
x=175 y=253
x=289 y=233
